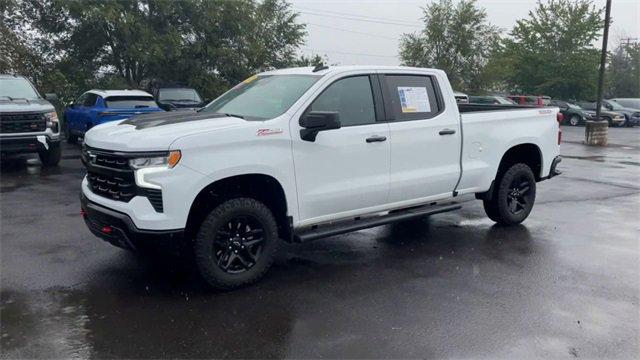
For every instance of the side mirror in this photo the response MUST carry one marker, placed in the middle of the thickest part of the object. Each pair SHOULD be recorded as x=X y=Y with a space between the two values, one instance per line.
x=315 y=121
x=51 y=97
x=71 y=105
x=608 y=106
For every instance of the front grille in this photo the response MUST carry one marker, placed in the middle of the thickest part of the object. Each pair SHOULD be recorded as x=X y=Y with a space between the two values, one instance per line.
x=22 y=122
x=113 y=187
x=109 y=175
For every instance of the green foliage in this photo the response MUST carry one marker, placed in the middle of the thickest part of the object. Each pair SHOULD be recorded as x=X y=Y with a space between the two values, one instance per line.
x=623 y=73
x=209 y=44
x=552 y=53
x=457 y=39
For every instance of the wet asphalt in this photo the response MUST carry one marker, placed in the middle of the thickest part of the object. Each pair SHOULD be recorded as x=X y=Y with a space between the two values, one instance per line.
x=565 y=284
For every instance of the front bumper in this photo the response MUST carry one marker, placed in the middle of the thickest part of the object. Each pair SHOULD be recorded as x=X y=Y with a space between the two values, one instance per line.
x=118 y=229
x=27 y=143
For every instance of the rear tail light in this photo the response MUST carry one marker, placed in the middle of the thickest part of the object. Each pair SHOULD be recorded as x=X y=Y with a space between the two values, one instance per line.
x=560 y=118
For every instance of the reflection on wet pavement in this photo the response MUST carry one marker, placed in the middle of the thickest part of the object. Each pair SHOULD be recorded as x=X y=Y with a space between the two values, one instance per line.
x=563 y=284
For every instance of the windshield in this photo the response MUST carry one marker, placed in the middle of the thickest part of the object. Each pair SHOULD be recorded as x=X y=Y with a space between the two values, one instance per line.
x=630 y=103
x=262 y=97
x=130 y=102
x=615 y=106
x=179 y=94
x=17 y=88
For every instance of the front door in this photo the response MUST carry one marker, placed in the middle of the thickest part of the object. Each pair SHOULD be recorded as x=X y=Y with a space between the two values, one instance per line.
x=344 y=170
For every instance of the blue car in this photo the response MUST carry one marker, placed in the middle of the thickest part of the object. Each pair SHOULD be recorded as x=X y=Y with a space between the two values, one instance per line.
x=99 y=106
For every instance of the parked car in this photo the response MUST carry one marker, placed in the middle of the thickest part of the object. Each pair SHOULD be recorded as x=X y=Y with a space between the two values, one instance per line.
x=631 y=114
x=492 y=99
x=172 y=97
x=461 y=98
x=100 y=106
x=633 y=103
x=573 y=114
x=28 y=122
x=305 y=153
x=614 y=118
x=531 y=100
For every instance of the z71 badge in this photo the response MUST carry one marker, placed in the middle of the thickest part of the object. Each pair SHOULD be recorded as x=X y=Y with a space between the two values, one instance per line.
x=264 y=132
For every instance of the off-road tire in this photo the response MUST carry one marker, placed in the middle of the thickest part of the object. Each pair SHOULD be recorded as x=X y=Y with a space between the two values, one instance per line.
x=498 y=207
x=207 y=234
x=71 y=138
x=51 y=157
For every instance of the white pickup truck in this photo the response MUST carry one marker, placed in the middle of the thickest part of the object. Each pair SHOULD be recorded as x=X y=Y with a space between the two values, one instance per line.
x=304 y=153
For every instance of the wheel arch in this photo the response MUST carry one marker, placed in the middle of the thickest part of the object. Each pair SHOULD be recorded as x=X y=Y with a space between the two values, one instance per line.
x=262 y=187
x=527 y=153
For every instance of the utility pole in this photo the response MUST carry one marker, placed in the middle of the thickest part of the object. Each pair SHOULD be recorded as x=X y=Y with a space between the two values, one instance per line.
x=596 y=132
x=603 y=58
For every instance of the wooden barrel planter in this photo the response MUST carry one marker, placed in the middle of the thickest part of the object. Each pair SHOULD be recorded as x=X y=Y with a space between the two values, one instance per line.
x=596 y=133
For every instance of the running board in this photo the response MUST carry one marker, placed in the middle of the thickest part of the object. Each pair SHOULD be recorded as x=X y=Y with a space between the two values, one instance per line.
x=323 y=231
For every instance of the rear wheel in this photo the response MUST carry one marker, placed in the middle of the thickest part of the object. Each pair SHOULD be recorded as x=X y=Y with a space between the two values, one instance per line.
x=574 y=120
x=236 y=243
x=513 y=197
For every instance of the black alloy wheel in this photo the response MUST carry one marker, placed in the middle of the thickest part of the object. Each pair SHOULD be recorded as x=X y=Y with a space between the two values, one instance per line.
x=519 y=195
x=239 y=244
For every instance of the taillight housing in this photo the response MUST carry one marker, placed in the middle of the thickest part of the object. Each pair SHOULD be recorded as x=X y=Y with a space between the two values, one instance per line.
x=560 y=118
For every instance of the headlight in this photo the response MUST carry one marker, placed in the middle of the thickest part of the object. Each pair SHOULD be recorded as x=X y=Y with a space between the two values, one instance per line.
x=52 y=121
x=165 y=161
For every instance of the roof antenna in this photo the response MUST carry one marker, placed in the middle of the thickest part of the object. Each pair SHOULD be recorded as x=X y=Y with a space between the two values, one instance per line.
x=320 y=67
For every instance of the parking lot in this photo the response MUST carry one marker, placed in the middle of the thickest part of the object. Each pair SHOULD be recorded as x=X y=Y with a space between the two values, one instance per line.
x=564 y=284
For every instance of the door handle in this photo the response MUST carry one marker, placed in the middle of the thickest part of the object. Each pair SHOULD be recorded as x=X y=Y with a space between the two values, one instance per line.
x=447 y=132
x=376 y=138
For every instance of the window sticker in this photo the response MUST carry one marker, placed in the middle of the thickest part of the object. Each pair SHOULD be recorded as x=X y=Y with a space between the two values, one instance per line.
x=414 y=99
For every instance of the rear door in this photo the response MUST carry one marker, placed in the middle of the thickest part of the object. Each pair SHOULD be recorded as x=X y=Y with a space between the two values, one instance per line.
x=425 y=138
x=344 y=170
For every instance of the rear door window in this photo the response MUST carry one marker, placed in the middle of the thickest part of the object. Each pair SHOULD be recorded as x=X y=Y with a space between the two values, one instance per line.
x=351 y=98
x=412 y=97
x=130 y=102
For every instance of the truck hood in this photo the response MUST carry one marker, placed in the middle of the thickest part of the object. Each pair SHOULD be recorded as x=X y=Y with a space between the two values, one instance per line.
x=23 y=105
x=156 y=131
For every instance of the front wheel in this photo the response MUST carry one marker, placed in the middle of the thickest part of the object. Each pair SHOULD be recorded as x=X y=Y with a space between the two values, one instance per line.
x=236 y=243
x=71 y=138
x=513 y=197
x=51 y=156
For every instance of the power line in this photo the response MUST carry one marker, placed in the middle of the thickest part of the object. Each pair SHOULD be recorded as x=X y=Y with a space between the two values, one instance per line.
x=398 y=21
x=357 y=19
x=348 y=53
x=354 y=32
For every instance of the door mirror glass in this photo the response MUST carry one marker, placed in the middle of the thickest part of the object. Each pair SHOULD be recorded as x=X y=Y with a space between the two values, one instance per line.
x=315 y=121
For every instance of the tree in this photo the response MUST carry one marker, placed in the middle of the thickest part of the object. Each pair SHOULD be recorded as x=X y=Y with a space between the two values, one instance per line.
x=209 y=44
x=624 y=72
x=551 y=52
x=457 y=39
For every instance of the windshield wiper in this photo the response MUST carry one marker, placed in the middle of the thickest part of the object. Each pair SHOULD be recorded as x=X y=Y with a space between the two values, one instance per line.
x=234 y=115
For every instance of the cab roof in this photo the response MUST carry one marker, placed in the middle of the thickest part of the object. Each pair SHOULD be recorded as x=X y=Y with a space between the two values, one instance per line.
x=126 y=92
x=338 y=69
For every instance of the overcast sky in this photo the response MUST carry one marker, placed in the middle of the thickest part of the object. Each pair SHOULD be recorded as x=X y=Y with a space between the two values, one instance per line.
x=367 y=31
